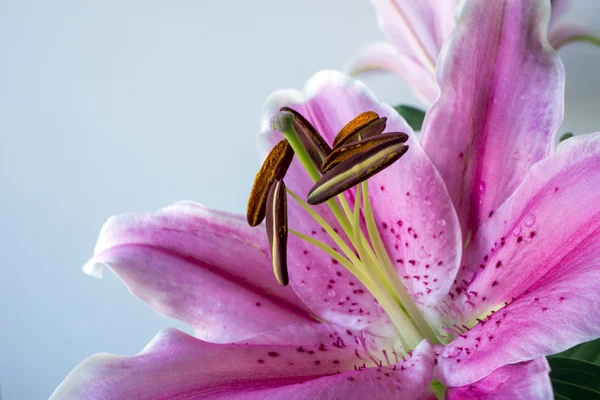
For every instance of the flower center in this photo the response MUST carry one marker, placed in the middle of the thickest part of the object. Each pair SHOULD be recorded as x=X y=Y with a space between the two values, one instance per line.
x=361 y=150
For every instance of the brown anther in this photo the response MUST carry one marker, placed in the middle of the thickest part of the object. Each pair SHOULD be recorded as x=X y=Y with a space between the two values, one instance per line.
x=277 y=230
x=366 y=125
x=356 y=169
x=274 y=167
x=348 y=150
x=316 y=147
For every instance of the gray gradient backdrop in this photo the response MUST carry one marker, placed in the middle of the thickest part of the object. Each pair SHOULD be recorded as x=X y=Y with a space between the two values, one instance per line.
x=115 y=106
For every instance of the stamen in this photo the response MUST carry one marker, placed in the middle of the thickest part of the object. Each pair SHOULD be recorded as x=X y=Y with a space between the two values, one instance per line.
x=313 y=142
x=365 y=125
x=277 y=230
x=356 y=170
x=274 y=167
x=351 y=163
x=346 y=151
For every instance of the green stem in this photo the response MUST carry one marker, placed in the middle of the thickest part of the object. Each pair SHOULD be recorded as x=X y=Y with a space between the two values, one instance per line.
x=409 y=334
x=315 y=175
x=328 y=229
x=328 y=250
x=438 y=389
x=398 y=320
x=391 y=273
x=367 y=247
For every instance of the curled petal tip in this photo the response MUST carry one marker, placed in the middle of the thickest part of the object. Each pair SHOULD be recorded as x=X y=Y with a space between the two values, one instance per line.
x=94 y=268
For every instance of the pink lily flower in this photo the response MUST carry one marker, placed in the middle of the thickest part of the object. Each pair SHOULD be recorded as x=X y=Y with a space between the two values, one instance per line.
x=465 y=261
x=323 y=336
x=417 y=30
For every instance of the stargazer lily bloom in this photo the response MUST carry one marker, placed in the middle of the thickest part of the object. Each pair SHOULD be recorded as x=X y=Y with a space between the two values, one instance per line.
x=448 y=266
x=417 y=30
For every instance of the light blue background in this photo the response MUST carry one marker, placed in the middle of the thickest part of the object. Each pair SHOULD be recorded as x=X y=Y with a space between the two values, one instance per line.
x=115 y=106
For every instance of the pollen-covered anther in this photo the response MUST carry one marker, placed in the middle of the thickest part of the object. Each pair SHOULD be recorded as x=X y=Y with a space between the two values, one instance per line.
x=366 y=125
x=344 y=152
x=274 y=167
x=366 y=162
x=277 y=230
x=316 y=147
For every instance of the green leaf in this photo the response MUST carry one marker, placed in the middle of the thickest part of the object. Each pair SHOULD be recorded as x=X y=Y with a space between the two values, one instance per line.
x=412 y=115
x=566 y=136
x=574 y=379
x=589 y=351
x=573 y=392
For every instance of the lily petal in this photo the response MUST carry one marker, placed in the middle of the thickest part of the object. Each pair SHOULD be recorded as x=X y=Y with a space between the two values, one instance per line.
x=417 y=29
x=559 y=8
x=538 y=258
x=177 y=366
x=428 y=395
x=500 y=106
x=528 y=380
x=420 y=27
x=385 y=57
x=416 y=220
x=398 y=195
x=332 y=99
x=206 y=268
